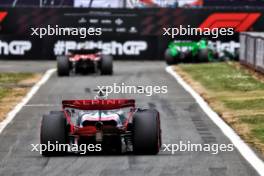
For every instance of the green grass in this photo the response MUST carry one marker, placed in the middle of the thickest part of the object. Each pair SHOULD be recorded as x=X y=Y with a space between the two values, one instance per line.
x=3 y=92
x=9 y=78
x=225 y=79
x=245 y=104
x=259 y=132
x=257 y=124
x=222 y=77
x=13 y=77
x=254 y=120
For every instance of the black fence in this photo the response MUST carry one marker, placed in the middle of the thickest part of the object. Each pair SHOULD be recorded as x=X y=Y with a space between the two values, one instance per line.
x=126 y=33
x=252 y=50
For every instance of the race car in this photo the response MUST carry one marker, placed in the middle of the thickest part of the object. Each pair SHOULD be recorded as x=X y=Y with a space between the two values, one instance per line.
x=189 y=52
x=116 y=124
x=84 y=61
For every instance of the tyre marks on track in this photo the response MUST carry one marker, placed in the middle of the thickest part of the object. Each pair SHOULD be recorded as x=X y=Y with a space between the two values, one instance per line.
x=200 y=125
x=203 y=130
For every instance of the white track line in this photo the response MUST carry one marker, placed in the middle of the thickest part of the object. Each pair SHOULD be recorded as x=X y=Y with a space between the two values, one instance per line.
x=241 y=146
x=41 y=105
x=30 y=94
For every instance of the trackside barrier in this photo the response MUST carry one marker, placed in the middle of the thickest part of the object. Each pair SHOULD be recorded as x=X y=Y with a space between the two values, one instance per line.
x=252 y=50
x=126 y=33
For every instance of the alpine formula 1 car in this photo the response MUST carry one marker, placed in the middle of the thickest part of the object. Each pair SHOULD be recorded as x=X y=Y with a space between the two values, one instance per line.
x=84 y=61
x=116 y=124
x=186 y=52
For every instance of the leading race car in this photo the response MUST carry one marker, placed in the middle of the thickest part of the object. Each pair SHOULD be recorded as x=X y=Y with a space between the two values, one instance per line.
x=201 y=51
x=187 y=52
x=84 y=61
x=116 y=124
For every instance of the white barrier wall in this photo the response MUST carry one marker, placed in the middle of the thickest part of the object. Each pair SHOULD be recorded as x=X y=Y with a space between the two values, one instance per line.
x=252 y=50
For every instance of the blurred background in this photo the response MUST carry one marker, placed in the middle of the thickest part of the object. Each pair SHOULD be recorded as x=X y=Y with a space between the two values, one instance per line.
x=141 y=21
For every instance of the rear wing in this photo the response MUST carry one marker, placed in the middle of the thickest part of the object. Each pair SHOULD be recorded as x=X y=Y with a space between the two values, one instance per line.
x=85 y=51
x=98 y=104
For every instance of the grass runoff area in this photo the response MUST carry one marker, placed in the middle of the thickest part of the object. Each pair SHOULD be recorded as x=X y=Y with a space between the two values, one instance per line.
x=13 y=87
x=234 y=92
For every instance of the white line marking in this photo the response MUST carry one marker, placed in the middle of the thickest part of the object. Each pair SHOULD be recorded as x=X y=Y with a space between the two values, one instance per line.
x=30 y=94
x=41 y=105
x=241 y=146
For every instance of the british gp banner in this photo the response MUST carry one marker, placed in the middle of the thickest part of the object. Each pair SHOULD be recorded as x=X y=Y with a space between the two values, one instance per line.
x=125 y=33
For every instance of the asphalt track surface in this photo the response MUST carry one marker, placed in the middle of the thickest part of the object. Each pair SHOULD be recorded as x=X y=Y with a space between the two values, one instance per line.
x=181 y=119
x=25 y=66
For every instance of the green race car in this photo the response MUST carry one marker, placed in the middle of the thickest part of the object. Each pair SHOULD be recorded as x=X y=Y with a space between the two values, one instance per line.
x=189 y=52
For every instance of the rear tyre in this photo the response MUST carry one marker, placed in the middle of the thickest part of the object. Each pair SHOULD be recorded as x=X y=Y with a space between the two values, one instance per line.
x=107 y=65
x=146 y=132
x=63 y=66
x=53 y=131
x=203 y=55
x=236 y=55
x=170 y=60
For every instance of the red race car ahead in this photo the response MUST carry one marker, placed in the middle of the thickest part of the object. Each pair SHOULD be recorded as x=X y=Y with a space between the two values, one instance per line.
x=116 y=124
x=84 y=61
